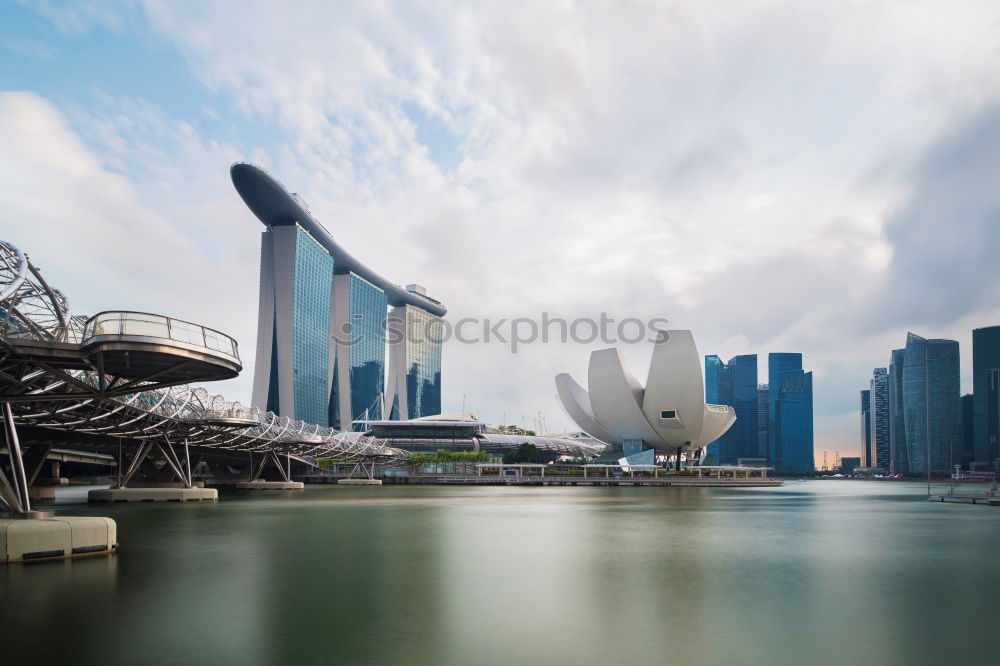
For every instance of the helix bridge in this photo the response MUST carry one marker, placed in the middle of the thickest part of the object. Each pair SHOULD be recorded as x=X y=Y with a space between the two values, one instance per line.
x=122 y=382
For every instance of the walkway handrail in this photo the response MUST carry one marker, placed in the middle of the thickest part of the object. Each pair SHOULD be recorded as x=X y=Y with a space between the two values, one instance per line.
x=147 y=324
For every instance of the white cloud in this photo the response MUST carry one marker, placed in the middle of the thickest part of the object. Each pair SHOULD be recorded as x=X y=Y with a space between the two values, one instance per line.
x=166 y=238
x=729 y=166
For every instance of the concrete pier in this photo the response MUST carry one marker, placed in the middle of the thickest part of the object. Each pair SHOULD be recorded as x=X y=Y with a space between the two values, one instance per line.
x=42 y=494
x=45 y=537
x=359 y=482
x=270 y=485
x=153 y=495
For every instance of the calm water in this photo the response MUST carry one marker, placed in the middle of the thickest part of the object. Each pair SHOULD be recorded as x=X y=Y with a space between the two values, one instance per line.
x=825 y=572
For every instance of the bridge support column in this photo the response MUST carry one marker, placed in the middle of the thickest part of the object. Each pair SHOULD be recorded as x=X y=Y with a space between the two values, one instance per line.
x=256 y=483
x=368 y=480
x=38 y=535
x=180 y=490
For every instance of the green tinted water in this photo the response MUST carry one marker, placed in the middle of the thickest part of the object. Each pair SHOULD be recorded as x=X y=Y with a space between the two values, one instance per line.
x=826 y=572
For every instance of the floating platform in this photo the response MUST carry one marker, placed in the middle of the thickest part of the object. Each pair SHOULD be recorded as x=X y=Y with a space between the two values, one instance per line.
x=359 y=482
x=682 y=482
x=56 y=538
x=965 y=499
x=270 y=485
x=153 y=495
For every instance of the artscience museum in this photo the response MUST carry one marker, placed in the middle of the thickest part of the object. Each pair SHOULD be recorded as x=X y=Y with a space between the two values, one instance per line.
x=666 y=416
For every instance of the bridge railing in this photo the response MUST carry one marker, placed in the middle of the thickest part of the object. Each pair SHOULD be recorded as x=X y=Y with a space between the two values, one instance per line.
x=150 y=325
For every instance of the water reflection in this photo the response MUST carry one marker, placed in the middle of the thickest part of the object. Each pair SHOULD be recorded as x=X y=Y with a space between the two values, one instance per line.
x=817 y=572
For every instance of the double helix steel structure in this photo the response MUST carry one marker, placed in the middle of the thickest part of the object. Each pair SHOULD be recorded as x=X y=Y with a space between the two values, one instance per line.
x=124 y=378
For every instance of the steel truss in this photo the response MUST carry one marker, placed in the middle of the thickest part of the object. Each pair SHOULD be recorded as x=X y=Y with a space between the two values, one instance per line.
x=148 y=416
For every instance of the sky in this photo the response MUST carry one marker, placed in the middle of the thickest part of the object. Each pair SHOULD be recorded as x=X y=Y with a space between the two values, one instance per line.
x=775 y=176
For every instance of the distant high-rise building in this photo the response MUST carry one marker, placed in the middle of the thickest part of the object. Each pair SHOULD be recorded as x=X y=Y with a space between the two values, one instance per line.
x=968 y=431
x=735 y=384
x=879 y=387
x=985 y=358
x=866 y=428
x=931 y=403
x=718 y=391
x=790 y=414
x=321 y=323
x=992 y=418
x=762 y=421
x=897 y=427
x=848 y=465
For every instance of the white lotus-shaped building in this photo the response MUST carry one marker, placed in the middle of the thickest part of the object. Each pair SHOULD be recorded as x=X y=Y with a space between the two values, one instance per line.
x=668 y=416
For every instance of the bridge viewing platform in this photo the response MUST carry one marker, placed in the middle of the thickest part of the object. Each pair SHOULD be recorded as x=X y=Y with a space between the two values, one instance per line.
x=118 y=384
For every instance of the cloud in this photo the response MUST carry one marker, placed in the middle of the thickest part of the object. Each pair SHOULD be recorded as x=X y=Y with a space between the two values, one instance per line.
x=730 y=167
x=945 y=238
x=161 y=236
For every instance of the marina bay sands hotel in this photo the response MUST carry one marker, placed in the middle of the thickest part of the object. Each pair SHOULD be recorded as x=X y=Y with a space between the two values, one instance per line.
x=324 y=323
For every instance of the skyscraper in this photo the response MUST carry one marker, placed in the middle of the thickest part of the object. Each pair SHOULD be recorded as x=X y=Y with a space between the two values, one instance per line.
x=358 y=385
x=897 y=427
x=414 y=362
x=790 y=414
x=931 y=403
x=967 y=431
x=293 y=325
x=321 y=323
x=718 y=391
x=744 y=435
x=763 y=431
x=985 y=358
x=992 y=416
x=879 y=387
x=866 y=428
x=734 y=384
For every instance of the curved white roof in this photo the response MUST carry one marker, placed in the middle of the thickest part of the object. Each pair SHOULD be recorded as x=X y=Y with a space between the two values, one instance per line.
x=668 y=414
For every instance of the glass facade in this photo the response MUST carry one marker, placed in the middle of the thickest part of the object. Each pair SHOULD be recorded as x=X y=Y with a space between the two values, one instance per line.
x=985 y=358
x=879 y=387
x=718 y=391
x=790 y=414
x=422 y=357
x=763 y=430
x=734 y=384
x=967 y=408
x=931 y=410
x=743 y=436
x=866 y=428
x=897 y=427
x=368 y=307
x=310 y=328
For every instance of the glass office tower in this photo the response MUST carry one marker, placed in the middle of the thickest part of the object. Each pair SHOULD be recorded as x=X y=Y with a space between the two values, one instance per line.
x=790 y=414
x=718 y=391
x=358 y=387
x=763 y=430
x=744 y=435
x=897 y=427
x=879 y=387
x=866 y=428
x=931 y=409
x=967 y=410
x=985 y=358
x=734 y=384
x=415 y=337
